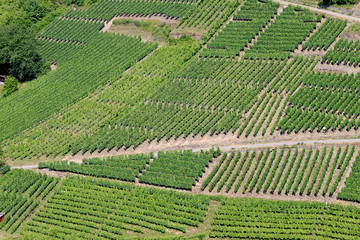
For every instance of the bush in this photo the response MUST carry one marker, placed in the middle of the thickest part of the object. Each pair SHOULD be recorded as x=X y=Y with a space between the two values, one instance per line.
x=122 y=22
x=10 y=86
x=339 y=2
x=5 y=169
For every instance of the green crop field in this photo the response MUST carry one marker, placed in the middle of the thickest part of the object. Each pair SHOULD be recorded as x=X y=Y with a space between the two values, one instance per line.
x=240 y=122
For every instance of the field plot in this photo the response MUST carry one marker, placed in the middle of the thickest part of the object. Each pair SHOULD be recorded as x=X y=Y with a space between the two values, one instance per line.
x=125 y=168
x=69 y=131
x=71 y=31
x=325 y=35
x=283 y=36
x=344 y=52
x=264 y=219
x=178 y=170
x=104 y=10
x=20 y=194
x=285 y=171
x=247 y=22
x=88 y=69
x=323 y=102
x=174 y=169
x=352 y=191
x=58 y=51
x=87 y=208
x=205 y=18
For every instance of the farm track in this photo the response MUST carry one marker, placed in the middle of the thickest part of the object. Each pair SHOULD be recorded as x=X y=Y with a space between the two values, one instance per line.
x=230 y=148
x=327 y=12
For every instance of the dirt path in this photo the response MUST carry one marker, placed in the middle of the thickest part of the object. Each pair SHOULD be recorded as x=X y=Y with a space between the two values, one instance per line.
x=327 y=12
x=78 y=158
x=261 y=195
x=336 y=68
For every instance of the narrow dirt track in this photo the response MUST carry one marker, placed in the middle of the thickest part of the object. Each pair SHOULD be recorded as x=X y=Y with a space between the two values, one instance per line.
x=328 y=12
x=247 y=146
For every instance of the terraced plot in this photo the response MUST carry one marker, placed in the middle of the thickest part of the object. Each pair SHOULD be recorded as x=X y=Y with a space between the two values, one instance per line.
x=285 y=171
x=264 y=219
x=88 y=208
x=21 y=192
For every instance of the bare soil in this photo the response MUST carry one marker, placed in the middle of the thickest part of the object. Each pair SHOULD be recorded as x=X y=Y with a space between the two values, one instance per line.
x=53 y=66
x=336 y=68
x=228 y=142
x=350 y=36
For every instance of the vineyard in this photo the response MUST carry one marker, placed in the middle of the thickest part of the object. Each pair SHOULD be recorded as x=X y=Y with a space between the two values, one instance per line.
x=283 y=36
x=264 y=219
x=104 y=10
x=346 y=52
x=21 y=193
x=120 y=137
x=326 y=35
x=72 y=81
x=178 y=170
x=292 y=171
x=111 y=210
x=246 y=24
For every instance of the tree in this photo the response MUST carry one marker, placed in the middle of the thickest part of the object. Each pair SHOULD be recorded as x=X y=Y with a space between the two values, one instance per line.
x=34 y=10
x=18 y=50
x=10 y=87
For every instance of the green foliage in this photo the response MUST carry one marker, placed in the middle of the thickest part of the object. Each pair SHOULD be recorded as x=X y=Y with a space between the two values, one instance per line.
x=154 y=27
x=122 y=21
x=325 y=35
x=246 y=24
x=351 y=192
x=338 y=2
x=38 y=13
x=20 y=194
x=18 y=51
x=325 y=102
x=83 y=207
x=175 y=169
x=105 y=9
x=118 y=167
x=243 y=218
x=283 y=36
x=353 y=28
x=5 y=169
x=87 y=69
x=10 y=86
x=344 y=52
x=281 y=172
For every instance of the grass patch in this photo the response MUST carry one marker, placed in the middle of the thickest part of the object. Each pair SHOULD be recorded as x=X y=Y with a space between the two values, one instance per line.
x=158 y=30
x=154 y=27
x=353 y=28
x=119 y=22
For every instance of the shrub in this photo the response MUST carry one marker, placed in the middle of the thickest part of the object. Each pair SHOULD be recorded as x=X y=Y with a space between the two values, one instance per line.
x=10 y=86
x=5 y=169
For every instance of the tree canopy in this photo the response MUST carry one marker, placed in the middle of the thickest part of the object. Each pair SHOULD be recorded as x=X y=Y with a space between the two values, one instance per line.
x=18 y=50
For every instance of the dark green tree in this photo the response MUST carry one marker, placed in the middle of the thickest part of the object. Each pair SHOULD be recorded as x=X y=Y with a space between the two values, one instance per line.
x=34 y=10
x=18 y=50
x=10 y=86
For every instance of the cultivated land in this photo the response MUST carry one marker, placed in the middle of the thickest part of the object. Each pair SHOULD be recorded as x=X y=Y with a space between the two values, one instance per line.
x=118 y=141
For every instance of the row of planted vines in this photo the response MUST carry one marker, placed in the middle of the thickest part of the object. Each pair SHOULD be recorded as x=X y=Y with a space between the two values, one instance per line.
x=286 y=171
x=88 y=208
x=83 y=208
x=176 y=169
x=264 y=219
